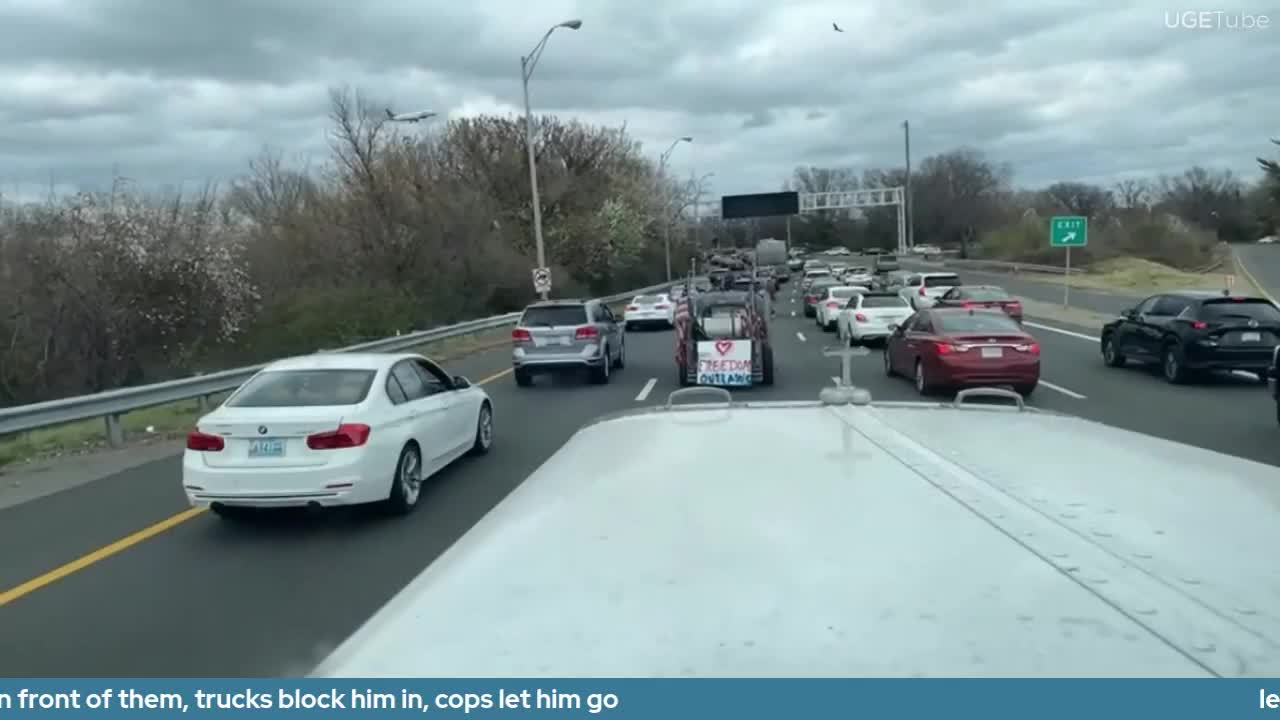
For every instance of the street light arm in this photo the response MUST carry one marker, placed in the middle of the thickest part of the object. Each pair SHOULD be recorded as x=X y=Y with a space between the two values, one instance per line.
x=531 y=60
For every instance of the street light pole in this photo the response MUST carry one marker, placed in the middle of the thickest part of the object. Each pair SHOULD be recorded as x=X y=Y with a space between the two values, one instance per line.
x=666 y=203
x=906 y=140
x=527 y=65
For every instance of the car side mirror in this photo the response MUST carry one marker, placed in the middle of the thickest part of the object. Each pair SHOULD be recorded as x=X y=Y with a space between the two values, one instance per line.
x=894 y=327
x=460 y=383
x=1129 y=314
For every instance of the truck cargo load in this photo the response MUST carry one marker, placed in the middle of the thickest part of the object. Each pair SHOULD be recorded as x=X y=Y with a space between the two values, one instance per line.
x=771 y=252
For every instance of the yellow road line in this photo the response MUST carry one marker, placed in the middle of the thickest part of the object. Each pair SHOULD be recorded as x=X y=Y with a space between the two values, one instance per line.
x=101 y=553
x=126 y=542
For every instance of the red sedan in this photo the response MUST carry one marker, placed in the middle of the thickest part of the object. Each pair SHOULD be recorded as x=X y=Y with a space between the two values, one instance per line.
x=956 y=347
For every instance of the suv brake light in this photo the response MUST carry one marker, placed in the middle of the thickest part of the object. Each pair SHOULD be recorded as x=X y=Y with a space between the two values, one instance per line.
x=521 y=335
x=833 y=305
x=922 y=291
x=204 y=442
x=633 y=307
x=966 y=304
x=1199 y=324
x=586 y=332
x=860 y=317
x=348 y=435
x=664 y=306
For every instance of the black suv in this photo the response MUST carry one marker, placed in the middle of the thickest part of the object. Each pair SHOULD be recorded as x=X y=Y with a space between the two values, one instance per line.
x=1194 y=331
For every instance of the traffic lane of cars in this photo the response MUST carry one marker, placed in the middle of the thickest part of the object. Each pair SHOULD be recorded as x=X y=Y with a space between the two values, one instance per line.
x=38 y=536
x=1094 y=300
x=271 y=597
x=1229 y=413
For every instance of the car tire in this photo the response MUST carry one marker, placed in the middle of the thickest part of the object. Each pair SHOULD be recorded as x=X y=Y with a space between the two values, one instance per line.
x=1025 y=390
x=523 y=377
x=922 y=383
x=888 y=364
x=622 y=356
x=830 y=327
x=1110 y=355
x=1171 y=365
x=628 y=327
x=484 y=430
x=766 y=358
x=600 y=373
x=406 y=484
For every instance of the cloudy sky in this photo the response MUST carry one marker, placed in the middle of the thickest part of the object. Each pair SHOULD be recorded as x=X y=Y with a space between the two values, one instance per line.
x=183 y=91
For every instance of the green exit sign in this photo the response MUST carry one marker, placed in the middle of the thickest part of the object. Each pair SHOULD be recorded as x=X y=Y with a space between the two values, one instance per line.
x=1068 y=231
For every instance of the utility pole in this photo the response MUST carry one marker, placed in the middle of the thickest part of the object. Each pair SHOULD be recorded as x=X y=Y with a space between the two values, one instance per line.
x=906 y=140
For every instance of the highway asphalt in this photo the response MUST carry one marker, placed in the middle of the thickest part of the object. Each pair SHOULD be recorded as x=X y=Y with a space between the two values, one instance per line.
x=207 y=598
x=1263 y=263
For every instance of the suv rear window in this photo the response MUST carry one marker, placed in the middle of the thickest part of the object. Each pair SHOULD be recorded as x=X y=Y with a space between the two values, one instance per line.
x=304 y=388
x=934 y=281
x=1227 y=309
x=551 y=315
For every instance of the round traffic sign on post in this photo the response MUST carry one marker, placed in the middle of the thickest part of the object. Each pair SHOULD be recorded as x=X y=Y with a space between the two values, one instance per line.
x=542 y=279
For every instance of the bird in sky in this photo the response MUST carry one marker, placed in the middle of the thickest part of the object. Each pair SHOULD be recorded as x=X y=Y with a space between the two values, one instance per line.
x=837 y=27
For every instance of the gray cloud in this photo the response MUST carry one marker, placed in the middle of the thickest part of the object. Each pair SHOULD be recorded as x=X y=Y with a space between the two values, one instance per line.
x=181 y=91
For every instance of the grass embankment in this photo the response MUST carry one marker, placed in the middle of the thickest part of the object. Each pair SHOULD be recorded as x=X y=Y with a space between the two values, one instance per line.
x=1135 y=276
x=172 y=421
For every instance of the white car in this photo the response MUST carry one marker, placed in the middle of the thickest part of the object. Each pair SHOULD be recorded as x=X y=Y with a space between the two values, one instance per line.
x=811 y=275
x=650 y=310
x=922 y=290
x=867 y=317
x=334 y=429
x=830 y=302
x=859 y=276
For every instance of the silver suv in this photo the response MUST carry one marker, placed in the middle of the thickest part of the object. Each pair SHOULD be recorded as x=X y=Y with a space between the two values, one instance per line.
x=567 y=335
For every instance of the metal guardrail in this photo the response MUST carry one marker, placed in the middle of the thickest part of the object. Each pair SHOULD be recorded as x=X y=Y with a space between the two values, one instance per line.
x=112 y=404
x=999 y=265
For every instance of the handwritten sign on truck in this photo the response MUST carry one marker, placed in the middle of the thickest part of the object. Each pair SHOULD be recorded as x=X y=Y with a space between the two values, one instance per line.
x=724 y=363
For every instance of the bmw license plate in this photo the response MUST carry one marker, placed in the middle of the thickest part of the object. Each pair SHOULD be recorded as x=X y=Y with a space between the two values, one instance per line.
x=266 y=447
x=992 y=352
x=1250 y=337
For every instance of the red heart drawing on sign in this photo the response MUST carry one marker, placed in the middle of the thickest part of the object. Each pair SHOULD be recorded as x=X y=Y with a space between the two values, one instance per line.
x=724 y=346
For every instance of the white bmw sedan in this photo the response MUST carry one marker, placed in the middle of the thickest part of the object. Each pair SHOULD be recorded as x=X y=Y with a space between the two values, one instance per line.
x=335 y=429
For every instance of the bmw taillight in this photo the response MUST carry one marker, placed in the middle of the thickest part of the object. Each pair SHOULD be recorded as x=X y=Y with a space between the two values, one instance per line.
x=520 y=335
x=348 y=435
x=204 y=442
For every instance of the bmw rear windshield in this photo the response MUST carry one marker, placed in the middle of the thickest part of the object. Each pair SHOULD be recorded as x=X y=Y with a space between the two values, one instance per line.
x=553 y=315
x=304 y=388
x=883 y=300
